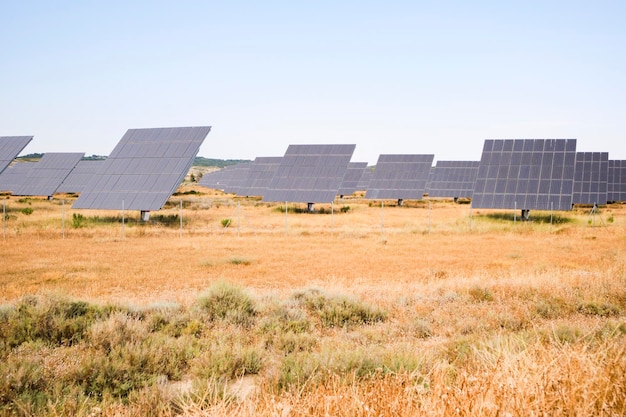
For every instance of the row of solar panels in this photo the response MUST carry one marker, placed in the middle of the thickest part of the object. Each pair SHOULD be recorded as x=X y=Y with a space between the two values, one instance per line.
x=147 y=166
x=141 y=173
x=523 y=173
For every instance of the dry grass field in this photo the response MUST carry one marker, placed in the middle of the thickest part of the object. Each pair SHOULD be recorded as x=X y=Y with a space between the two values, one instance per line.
x=425 y=309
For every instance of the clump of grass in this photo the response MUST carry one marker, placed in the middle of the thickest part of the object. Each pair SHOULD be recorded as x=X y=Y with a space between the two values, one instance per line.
x=480 y=294
x=338 y=310
x=601 y=309
x=226 y=222
x=239 y=261
x=27 y=211
x=225 y=301
x=226 y=361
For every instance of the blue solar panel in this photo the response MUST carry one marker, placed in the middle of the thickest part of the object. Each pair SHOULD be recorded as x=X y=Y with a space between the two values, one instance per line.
x=400 y=177
x=309 y=174
x=591 y=178
x=452 y=179
x=530 y=174
x=617 y=180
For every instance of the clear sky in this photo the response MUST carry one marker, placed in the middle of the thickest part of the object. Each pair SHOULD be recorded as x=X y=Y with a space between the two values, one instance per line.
x=390 y=76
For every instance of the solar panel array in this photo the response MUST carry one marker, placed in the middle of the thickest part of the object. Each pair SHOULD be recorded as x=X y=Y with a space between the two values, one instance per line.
x=236 y=178
x=351 y=180
x=213 y=179
x=80 y=176
x=530 y=174
x=591 y=177
x=310 y=174
x=15 y=175
x=452 y=179
x=144 y=169
x=400 y=177
x=617 y=180
x=10 y=147
x=47 y=175
x=366 y=177
x=260 y=175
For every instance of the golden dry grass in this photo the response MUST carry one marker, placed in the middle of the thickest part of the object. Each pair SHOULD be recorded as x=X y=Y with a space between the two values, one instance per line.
x=498 y=318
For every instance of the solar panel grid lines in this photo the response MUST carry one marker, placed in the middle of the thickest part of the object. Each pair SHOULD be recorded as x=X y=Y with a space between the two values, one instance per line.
x=535 y=174
x=351 y=179
x=10 y=148
x=365 y=179
x=616 y=185
x=144 y=169
x=235 y=178
x=400 y=176
x=309 y=174
x=15 y=175
x=452 y=179
x=48 y=173
x=591 y=178
x=80 y=176
x=260 y=174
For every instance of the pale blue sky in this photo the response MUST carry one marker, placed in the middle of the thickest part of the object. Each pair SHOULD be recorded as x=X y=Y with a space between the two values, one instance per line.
x=391 y=77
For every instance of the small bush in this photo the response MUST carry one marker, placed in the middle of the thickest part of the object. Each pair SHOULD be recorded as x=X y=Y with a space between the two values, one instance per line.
x=600 y=309
x=239 y=261
x=339 y=311
x=78 y=220
x=344 y=209
x=226 y=222
x=224 y=301
x=27 y=211
x=480 y=294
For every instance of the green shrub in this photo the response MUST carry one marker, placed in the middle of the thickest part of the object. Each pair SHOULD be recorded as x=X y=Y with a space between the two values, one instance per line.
x=344 y=209
x=480 y=294
x=27 y=211
x=224 y=301
x=226 y=222
x=78 y=220
x=227 y=361
x=339 y=311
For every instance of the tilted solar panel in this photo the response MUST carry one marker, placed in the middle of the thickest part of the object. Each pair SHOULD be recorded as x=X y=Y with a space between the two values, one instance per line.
x=591 y=177
x=10 y=147
x=15 y=175
x=46 y=176
x=617 y=180
x=400 y=177
x=310 y=174
x=452 y=179
x=238 y=175
x=530 y=174
x=80 y=176
x=351 y=180
x=260 y=174
x=144 y=169
x=365 y=179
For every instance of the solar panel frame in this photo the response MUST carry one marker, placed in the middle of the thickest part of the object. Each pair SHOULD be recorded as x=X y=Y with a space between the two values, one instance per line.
x=48 y=173
x=452 y=179
x=144 y=169
x=351 y=179
x=400 y=176
x=616 y=184
x=310 y=173
x=539 y=177
x=15 y=175
x=591 y=177
x=260 y=174
x=10 y=148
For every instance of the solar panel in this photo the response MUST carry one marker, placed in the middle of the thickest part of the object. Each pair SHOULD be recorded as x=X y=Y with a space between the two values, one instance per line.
x=15 y=175
x=310 y=173
x=591 y=176
x=238 y=175
x=400 y=177
x=10 y=147
x=530 y=174
x=47 y=175
x=80 y=176
x=351 y=180
x=260 y=174
x=452 y=179
x=366 y=177
x=144 y=169
x=213 y=179
x=617 y=180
